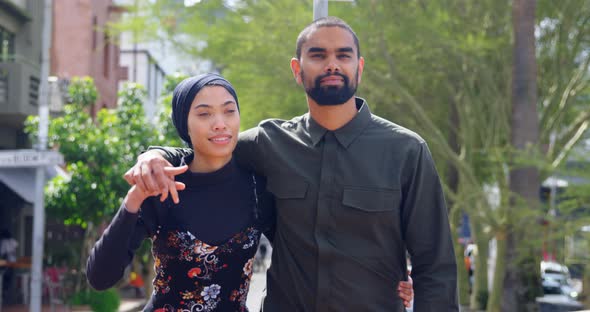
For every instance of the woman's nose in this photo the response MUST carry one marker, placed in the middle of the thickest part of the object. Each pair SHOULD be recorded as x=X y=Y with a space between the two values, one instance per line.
x=219 y=123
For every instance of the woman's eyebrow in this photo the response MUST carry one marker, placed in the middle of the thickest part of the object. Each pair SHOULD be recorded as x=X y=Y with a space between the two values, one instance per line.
x=205 y=105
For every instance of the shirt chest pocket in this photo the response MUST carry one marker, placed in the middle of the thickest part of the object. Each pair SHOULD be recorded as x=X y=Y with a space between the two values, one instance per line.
x=287 y=187
x=366 y=221
x=290 y=194
x=370 y=199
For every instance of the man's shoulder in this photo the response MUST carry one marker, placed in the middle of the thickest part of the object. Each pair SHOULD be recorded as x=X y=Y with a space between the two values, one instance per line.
x=392 y=131
x=274 y=124
x=270 y=128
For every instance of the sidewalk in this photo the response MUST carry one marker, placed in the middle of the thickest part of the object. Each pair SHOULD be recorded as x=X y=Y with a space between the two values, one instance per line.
x=127 y=305
x=257 y=287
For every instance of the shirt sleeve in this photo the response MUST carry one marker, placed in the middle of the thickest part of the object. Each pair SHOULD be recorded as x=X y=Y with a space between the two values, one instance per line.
x=248 y=149
x=425 y=225
x=115 y=249
x=173 y=155
x=266 y=210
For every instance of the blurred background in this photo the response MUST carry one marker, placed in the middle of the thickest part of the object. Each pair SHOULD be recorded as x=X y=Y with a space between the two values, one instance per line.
x=499 y=89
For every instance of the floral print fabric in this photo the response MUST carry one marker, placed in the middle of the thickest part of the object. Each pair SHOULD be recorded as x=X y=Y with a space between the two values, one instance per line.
x=192 y=275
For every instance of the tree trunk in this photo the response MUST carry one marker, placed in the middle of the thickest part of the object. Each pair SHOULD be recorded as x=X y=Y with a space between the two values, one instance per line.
x=524 y=183
x=494 y=300
x=456 y=213
x=480 y=293
x=149 y=277
x=462 y=274
x=585 y=296
x=87 y=243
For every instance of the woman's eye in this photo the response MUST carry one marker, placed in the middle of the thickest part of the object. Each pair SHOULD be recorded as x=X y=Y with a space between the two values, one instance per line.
x=230 y=111
x=203 y=114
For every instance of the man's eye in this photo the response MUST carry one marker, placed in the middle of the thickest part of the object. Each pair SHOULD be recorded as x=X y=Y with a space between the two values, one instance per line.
x=317 y=55
x=344 y=56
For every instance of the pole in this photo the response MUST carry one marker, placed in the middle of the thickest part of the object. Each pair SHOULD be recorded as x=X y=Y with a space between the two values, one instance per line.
x=39 y=209
x=320 y=9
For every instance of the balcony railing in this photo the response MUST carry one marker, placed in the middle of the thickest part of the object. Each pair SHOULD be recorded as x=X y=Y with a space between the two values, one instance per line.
x=19 y=83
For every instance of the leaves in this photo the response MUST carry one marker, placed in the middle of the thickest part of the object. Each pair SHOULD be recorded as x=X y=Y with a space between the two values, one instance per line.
x=98 y=152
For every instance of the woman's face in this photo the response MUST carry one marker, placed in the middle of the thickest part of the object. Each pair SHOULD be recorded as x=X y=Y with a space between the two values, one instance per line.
x=213 y=124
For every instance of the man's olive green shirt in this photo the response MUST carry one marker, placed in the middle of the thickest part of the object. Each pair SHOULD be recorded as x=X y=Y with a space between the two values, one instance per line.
x=350 y=202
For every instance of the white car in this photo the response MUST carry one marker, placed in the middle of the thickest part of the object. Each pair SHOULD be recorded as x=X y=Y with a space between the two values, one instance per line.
x=556 y=279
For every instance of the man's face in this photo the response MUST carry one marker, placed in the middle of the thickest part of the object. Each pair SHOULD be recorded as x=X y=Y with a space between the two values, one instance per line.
x=329 y=67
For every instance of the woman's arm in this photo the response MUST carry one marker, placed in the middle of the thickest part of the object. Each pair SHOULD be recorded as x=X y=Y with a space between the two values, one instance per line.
x=115 y=249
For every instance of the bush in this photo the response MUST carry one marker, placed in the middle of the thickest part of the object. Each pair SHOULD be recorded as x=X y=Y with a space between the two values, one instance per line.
x=99 y=301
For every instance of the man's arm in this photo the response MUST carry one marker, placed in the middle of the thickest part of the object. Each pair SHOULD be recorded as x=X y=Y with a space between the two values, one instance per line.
x=248 y=151
x=427 y=235
x=149 y=171
x=172 y=154
x=155 y=174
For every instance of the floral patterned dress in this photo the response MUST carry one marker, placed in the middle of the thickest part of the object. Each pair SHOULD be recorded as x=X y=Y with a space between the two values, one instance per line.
x=203 y=246
x=192 y=275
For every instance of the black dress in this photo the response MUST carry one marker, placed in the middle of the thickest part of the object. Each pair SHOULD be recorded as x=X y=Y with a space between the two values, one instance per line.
x=203 y=247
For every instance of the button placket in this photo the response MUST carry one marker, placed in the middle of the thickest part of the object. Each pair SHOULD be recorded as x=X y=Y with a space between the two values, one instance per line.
x=322 y=228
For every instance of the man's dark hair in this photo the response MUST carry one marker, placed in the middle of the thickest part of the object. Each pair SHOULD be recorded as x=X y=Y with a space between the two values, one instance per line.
x=329 y=21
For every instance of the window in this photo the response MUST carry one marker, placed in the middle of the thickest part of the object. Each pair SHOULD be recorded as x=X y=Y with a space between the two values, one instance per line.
x=94 y=30
x=6 y=45
x=107 y=56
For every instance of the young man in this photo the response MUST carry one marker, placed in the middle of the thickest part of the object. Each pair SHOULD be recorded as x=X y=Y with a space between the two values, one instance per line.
x=353 y=192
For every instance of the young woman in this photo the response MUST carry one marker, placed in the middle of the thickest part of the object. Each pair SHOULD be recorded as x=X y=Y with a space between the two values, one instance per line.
x=203 y=246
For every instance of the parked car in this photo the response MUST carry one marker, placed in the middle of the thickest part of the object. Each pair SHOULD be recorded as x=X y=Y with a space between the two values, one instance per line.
x=556 y=279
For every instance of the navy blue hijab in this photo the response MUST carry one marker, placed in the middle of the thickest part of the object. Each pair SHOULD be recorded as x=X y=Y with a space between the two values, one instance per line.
x=185 y=93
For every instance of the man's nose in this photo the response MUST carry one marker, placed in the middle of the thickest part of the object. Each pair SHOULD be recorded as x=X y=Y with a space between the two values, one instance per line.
x=332 y=65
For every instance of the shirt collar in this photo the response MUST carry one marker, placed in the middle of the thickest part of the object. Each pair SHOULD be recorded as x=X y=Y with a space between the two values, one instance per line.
x=347 y=133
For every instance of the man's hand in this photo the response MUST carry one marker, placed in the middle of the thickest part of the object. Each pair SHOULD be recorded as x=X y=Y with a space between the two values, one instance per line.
x=405 y=291
x=155 y=175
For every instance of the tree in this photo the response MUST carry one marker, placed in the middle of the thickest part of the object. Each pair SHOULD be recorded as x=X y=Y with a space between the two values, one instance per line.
x=442 y=68
x=519 y=294
x=97 y=153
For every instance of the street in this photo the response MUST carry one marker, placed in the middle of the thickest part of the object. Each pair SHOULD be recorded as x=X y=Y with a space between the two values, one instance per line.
x=257 y=286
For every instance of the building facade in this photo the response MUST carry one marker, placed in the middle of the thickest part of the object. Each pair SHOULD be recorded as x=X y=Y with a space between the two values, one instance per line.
x=82 y=47
x=21 y=24
x=79 y=47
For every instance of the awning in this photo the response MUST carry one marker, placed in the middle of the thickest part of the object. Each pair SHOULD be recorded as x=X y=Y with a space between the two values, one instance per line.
x=22 y=180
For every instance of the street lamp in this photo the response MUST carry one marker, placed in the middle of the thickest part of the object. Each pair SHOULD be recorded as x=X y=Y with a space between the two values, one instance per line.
x=320 y=7
x=39 y=209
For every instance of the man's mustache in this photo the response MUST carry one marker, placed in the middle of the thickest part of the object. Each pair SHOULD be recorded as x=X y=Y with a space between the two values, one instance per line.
x=319 y=78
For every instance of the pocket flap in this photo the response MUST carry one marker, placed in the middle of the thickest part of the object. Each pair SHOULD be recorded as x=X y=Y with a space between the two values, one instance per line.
x=377 y=200
x=287 y=187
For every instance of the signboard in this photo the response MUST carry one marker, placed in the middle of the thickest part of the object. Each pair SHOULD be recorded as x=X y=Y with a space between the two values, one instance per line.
x=29 y=158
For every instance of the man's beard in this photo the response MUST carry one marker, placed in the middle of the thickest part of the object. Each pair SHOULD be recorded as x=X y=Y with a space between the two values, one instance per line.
x=330 y=95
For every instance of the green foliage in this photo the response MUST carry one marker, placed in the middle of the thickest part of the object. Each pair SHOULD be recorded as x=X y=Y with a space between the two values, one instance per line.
x=248 y=43
x=441 y=68
x=164 y=123
x=82 y=92
x=100 y=301
x=97 y=153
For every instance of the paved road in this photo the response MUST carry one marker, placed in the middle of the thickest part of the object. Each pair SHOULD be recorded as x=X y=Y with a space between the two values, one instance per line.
x=257 y=286
x=258 y=282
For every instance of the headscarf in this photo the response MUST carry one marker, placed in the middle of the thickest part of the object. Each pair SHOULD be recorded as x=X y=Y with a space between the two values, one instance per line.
x=185 y=93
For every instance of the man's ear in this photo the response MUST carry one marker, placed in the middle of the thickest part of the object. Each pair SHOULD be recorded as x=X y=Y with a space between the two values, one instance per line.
x=296 y=69
x=361 y=68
